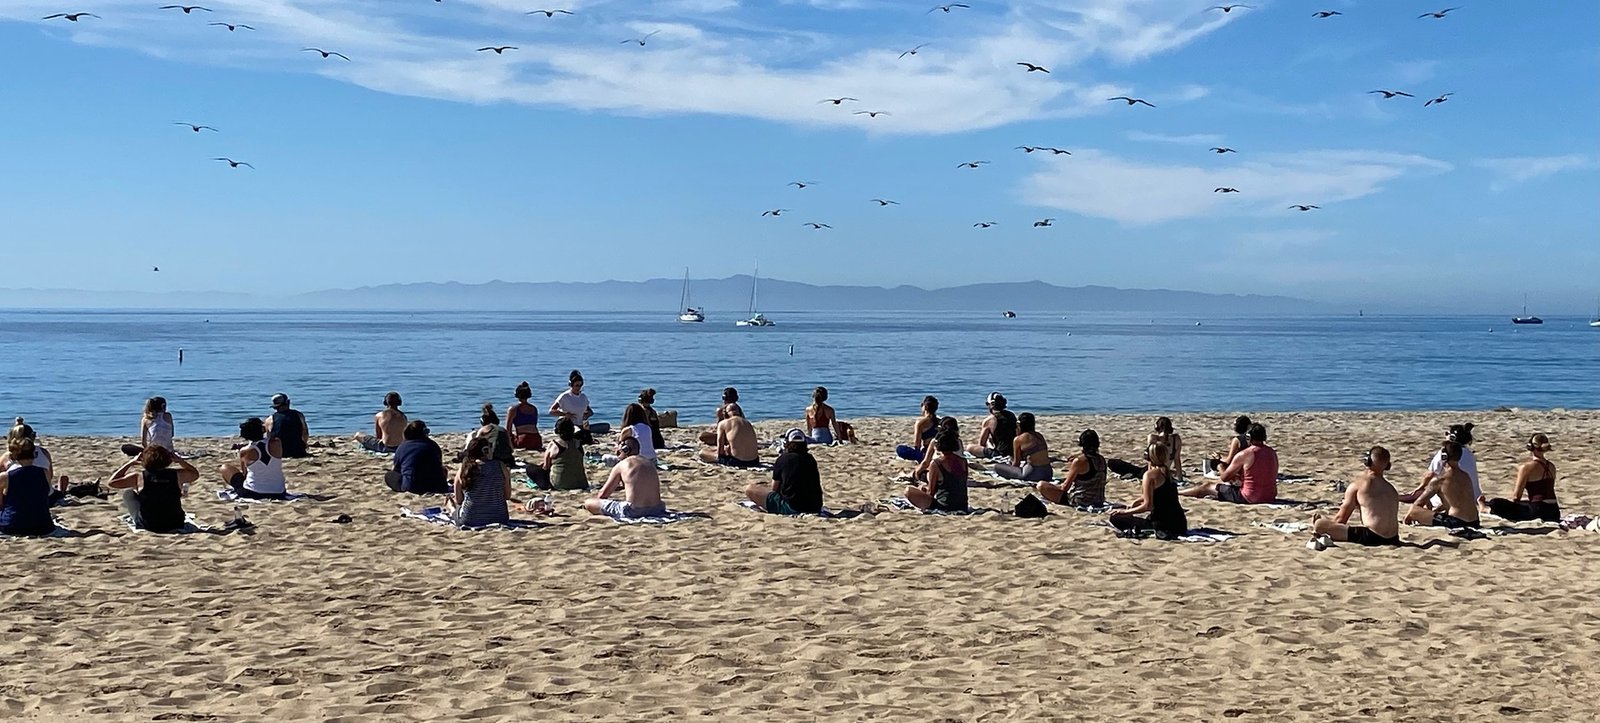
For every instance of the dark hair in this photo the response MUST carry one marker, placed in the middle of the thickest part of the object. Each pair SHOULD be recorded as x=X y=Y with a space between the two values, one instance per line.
x=21 y=448
x=155 y=457
x=1241 y=424
x=997 y=400
x=1089 y=440
x=488 y=416
x=566 y=430
x=1460 y=434
x=1025 y=422
x=1376 y=456
x=647 y=396
x=416 y=429
x=1258 y=433
x=1452 y=451
x=634 y=414
x=575 y=377
x=820 y=394
x=729 y=395
x=1163 y=425
x=949 y=437
x=253 y=429
x=797 y=446
x=931 y=403
x=477 y=453
x=524 y=392
x=392 y=400
x=154 y=406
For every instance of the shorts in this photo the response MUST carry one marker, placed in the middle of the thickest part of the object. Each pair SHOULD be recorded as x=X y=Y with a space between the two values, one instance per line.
x=777 y=505
x=528 y=442
x=1441 y=519
x=821 y=435
x=1231 y=493
x=621 y=510
x=728 y=460
x=1364 y=536
x=373 y=444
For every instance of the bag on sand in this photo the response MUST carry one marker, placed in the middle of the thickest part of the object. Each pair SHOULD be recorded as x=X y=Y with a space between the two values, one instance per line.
x=1031 y=506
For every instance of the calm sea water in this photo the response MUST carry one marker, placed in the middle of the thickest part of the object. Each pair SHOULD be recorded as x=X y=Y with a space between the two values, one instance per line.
x=89 y=372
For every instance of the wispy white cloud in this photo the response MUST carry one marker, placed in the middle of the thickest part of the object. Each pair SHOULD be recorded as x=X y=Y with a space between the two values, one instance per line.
x=1517 y=170
x=1101 y=185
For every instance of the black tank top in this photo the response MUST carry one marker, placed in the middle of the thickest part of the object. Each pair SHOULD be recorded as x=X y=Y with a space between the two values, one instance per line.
x=1005 y=432
x=161 y=501
x=1542 y=490
x=1166 y=512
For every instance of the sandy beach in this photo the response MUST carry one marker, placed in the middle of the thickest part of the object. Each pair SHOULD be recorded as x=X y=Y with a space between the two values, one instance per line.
x=744 y=616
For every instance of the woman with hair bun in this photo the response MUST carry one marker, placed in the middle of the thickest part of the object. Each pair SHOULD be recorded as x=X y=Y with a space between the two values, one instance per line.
x=1536 y=479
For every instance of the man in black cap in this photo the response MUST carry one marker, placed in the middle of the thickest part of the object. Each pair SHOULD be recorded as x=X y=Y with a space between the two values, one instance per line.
x=288 y=426
x=998 y=432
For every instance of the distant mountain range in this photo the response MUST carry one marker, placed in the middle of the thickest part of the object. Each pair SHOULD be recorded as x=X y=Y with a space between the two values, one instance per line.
x=730 y=294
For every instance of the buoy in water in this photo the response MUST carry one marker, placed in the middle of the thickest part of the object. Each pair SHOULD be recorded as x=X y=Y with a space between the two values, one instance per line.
x=791 y=350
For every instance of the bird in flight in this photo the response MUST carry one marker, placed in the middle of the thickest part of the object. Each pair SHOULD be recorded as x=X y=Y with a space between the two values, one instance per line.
x=1034 y=68
x=1438 y=15
x=1030 y=149
x=1387 y=94
x=948 y=8
x=872 y=113
x=194 y=127
x=1043 y=222
x=155 y=268
x=1056 y=151
x=640 y=41
x=838 y=101
x=1304 y=207
x=913 y=51
x=984 y=224
x=816 y=226
x=774 y=212
x=1231 y=8
x=801 y=184
x=186 y=8
x=548 y=13
x=1132 y=101
x=499 y=49
x=72 y=17
x=884 y=202
x=232 y=163
x=325 y=53
x=1225 y=189
x=1439 y=99
x=972 y=164
x=233 y=26
x=1325 y=13
x=1221 y=150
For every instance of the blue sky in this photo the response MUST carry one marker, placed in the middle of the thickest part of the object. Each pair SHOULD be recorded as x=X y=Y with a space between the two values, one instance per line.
x=578 y=157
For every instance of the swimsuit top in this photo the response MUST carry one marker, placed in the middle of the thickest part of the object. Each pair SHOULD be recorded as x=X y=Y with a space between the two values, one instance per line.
x=1542 y=490
x=525 y=415
x=1033 y=450
x=932 y=431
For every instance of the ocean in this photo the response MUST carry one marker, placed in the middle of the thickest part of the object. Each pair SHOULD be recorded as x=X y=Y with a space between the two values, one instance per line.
x=88 y=372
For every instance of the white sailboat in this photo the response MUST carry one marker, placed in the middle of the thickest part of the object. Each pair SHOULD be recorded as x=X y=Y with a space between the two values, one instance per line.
x=1596 y=321
x=690 y=314
x=756 y=318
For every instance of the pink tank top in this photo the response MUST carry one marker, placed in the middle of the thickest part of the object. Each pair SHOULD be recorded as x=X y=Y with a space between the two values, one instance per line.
x=1260 y=483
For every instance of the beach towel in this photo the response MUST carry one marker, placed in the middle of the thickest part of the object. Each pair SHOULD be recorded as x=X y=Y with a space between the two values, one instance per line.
x=826 y=514
x=990 y=479
x=190 y=526
x=229 y=495
x=901 y=503
x=60 y=531
x=1288 y=504
x=668 y=517
x=1287 y=528
x=437 y=516
x=758 y=467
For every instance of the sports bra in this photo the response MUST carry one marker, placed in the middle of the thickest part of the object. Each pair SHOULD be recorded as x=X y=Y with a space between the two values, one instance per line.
x=1542 y=490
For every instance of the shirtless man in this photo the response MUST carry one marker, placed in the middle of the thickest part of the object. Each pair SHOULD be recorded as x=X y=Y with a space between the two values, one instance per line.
x=1378 y=502
x=640 y=482
x=1459 y=507
x=388 y=427
x=730 y=403
x=736 y=442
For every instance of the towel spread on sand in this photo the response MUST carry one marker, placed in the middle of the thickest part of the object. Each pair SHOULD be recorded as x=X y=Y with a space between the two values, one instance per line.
x=1287 y=528
x=901 y=503
x=758 y=467
x=190 y=526
x=995 y=480
x=1198 y=535
x=668 y=517
x=232 y=496
x=825 y=514
x=437 y=516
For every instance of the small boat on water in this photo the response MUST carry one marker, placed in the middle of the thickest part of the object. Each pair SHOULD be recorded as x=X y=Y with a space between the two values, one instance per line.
x=756 y=318
x=1596 y=321
x=1525 y=319
x=1010 y=314
x=690 y=314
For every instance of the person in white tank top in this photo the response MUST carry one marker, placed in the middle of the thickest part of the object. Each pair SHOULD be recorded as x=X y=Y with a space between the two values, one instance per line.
x=258 y=473
x=155 y=428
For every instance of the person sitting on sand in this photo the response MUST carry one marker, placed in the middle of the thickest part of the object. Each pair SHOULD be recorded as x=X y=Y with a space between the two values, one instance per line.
x=288 y=426
x=26 y=493
x=1536 y=478
x=1158 y=500
x=563 y=458
x=824 y=422
x=155 y=427
x=153 y=494
x=999 y=432
x=730 y=403
x=797 y=484
x=922 y=432
x=1085 y=483
x=482 y=494
x=1239 y=443
x=636 y=425
x=737 y=445
x=1031 y=449
x=1460 y=434
x=418 y=463
x=1165 y=436
x=573 y=404
x=1458 y=507
x=647 y=399
x=946 y=488
x=500 y=448
x=22 y=430
x=1255 y=469
x=1377 y=501
x=522 y=421
x=388 y=427
x=258 y=473
x=640 y=482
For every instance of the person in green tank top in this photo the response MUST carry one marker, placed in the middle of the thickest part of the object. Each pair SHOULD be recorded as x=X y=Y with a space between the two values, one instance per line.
x=564 y=458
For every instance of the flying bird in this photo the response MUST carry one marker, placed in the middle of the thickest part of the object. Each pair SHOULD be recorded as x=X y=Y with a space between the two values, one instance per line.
x=774 y=212
x=972 y=164
x=838 y=101
x=186 y=8
x=548 y=13
x=1225 y=189
x=233 y=26
x=883 y=202
x=1231 y=8
x=71 y=17
x=640 y=41
x=325 y=53
x=801 y=184
x=1439 y=15
x=499 y=49
x=1034 y=68
x=1326 y=13
x=155 y=268
x=1056 y=151
x=816 y=226
x=1043 y=222
x=913 y=51
x=1221 y=150
x=947 y=8
x=232 y=163
x=1439 y=99
x=1030 y=149
x=194 y=127
x=1304 y=207
x=872 y=113
x=983 y=224
x=1387 y=94
x=1132 y=101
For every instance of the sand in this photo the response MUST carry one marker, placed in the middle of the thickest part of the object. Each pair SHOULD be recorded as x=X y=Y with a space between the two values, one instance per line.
x=752 y=617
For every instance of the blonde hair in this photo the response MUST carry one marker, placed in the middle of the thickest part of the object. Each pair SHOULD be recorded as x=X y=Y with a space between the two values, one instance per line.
x=22 y=449
x=1539 y=443
x=1159 y=456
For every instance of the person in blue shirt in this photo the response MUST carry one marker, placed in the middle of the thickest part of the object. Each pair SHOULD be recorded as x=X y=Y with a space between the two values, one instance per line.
x=418 y=464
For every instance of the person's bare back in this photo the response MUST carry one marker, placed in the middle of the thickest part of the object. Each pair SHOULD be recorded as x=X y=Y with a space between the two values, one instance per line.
x=1455 y=488
x=737 y=439
x=640 y=481
x=1380 y=504
x=391 y=427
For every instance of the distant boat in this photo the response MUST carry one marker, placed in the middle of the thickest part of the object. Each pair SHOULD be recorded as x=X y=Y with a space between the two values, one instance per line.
x=756 y=318
x=1596 y=322
x=691 y=314
x=1011 y=315
x=1525 y=319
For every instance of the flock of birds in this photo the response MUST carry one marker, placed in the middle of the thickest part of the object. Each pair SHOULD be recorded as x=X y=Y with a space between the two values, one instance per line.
x=948 y=8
